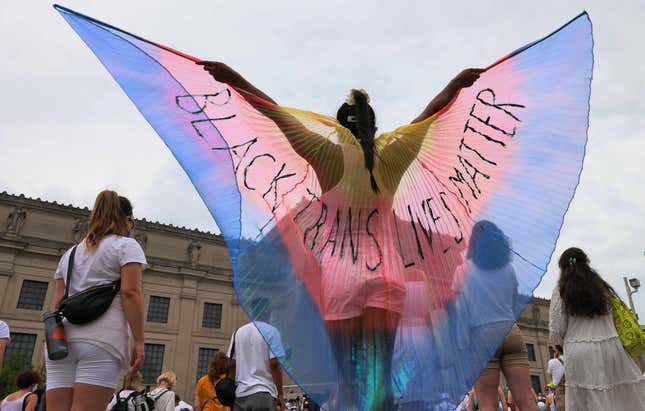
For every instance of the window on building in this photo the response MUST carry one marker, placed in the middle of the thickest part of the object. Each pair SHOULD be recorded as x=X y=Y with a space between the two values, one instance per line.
x=203 y=360
x=212 y=315
x=531 y=350
x=32 y=295
x=153 y=363
x=158 y=309
x=551 y=352
x=535 y=383
x=22 y=345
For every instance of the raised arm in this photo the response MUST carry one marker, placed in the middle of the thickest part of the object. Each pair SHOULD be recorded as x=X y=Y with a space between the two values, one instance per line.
x=224 y=74
x=324 y=156
x=464 y=79
x=399 y=154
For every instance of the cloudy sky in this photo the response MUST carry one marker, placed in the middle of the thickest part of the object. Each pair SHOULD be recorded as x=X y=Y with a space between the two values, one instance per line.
x=68 y=131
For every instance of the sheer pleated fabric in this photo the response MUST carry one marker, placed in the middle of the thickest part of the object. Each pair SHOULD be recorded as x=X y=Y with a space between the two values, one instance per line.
x=395 y=299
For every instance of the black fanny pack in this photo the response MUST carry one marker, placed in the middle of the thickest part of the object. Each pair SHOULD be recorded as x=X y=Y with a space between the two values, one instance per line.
x=90 y=304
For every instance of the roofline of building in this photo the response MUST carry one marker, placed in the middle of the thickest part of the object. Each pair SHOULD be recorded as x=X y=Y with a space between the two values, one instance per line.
x=85 y=212
x=541 y=300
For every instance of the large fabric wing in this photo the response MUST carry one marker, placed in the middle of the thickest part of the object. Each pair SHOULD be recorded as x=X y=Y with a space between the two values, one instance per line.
x=506 y=151
x=234 y=148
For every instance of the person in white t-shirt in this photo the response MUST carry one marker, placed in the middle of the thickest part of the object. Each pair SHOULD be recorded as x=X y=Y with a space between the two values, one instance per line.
x=258 y=374
x=101 y=349
x=556 y=371
x=5 y=336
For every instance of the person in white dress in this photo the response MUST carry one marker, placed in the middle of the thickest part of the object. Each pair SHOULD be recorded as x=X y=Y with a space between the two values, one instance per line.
x=600 y=375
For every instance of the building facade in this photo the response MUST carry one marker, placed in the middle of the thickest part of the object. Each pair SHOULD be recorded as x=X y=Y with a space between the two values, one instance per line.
x=190 y=305
x=534 y=323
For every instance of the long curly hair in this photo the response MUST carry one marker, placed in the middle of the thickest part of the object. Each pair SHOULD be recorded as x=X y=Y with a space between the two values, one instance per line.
x=358 y=116
x=583 y=291
x=219 y=365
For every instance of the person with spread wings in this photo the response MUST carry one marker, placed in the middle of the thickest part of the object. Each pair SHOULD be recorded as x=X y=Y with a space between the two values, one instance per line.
x=360 y=245
x=362 y=302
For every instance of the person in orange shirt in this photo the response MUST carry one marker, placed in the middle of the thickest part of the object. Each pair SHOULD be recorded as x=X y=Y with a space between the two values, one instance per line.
x=205 y=395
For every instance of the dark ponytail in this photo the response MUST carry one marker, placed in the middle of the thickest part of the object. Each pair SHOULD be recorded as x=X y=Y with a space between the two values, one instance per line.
x=359 y=118
x=583 y=291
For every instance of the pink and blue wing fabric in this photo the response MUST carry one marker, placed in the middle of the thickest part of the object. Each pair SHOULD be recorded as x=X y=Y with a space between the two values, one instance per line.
x=470 y=206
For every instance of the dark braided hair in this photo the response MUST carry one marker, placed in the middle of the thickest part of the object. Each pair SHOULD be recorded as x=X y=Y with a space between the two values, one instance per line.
x=583 y=291
x=359 y=118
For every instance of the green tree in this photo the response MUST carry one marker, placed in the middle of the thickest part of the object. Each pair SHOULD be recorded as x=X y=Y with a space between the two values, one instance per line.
x=13 y=365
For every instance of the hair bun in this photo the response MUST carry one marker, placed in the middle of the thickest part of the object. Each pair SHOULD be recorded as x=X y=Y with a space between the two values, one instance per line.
x=351 y=100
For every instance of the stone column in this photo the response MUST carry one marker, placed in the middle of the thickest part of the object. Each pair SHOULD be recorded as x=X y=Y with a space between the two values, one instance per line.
x=7 y=260
x=183 y=361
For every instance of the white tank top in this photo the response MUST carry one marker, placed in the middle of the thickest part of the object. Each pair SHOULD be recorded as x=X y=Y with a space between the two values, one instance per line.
x=13 y=405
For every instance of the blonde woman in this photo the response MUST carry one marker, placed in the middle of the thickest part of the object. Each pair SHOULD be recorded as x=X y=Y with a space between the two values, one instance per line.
x=100 y=350
x=129 y=384
x=162 y=394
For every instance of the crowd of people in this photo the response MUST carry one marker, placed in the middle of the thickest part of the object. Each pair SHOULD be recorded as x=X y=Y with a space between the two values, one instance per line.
x=597 y=373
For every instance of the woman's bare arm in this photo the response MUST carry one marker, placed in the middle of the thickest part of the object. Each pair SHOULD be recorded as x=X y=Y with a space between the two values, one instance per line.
x=398 y=155
x=132 y=300
x=464 y=79
x=30 y=403
x=224 y=74
x=59 y=291
x=324 y=156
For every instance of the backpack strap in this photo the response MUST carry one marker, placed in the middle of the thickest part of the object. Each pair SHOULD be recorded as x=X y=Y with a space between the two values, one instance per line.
x=233 y=347
x=130 y=398
x=24 y=401
x=228 y=372
x=157 y=395
x=118 y=398
x=560 y=360
x=70 y=265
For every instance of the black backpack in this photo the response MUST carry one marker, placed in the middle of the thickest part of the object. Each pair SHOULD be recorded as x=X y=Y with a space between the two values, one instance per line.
x=121 y=403
x=140 y=400
x=40 y=404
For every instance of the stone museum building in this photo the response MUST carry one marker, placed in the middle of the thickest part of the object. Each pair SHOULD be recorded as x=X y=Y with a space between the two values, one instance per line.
x=190 y=305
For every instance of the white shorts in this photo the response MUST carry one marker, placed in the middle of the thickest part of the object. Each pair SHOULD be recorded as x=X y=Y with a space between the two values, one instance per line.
x=85 y=364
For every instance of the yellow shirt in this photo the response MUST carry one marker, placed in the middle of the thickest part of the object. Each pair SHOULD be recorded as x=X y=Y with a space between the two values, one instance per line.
x=205 y=391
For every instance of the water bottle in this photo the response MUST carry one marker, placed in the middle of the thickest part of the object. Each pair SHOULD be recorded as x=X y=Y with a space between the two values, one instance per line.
x=55 y=336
